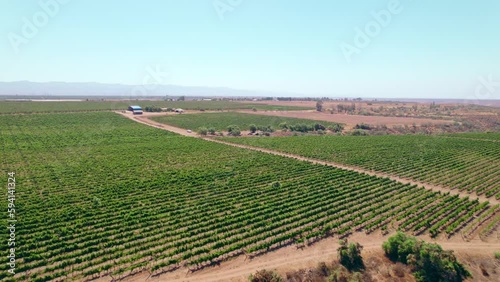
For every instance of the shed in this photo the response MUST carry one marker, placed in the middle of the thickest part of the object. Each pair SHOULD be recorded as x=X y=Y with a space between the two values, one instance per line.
x=136 y=110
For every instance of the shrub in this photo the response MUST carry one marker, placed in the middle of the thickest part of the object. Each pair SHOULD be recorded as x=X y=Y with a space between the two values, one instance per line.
x=319 y=106
x=363 y=126
x=497 y=255
x=350 y=255
x=152 y=109
x=318 y=126
x=234 y=130
x=203 y=131
x=253 y=128
x=301 y=127
x=211 y=131
x=323 y=269
x=399 y=246
x=265 y=276
x=268 y=128
x=429 y=261
x=336 y=128
x=283 y=126
x=359 y=132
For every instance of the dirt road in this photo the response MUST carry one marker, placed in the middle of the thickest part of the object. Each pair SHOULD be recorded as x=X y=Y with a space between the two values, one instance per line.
x=290 y=258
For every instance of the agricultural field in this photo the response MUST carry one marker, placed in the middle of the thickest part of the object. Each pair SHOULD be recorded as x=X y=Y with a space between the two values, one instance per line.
x=491 y=136
x=470 y=165
x=98 y=194
x=77 y=106
x=220 y=121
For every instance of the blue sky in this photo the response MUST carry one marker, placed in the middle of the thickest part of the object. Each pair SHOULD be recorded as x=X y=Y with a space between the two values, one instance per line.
x=426 y=49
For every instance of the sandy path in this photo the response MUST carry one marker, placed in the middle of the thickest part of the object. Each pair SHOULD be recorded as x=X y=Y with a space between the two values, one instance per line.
x=350 y=120
x=290 y=258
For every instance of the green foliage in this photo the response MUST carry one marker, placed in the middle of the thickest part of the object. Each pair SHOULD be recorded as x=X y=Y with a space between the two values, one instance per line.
x=220 y=121
x=268 y=128
x=336 y=128
x=265 y=276
x=212 y=130
x=399 y=246
x=252 y=128
x=318 y=126
x=449 y=162
x=363 y=126
x=276 y=185
x=100 y=189
x=69 y=106
x=283 y=126
x=358 y=132
x=497 y=255
x=203 y=131
x=152 y=109
x=429 y=261
x=233 y=130
x=350 y=255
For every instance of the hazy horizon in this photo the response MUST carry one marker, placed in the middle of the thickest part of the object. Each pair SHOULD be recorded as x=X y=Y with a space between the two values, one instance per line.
x=384 y=48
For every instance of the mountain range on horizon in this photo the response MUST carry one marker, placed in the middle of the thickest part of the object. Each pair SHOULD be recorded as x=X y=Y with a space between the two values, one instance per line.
x=26 y=89
x=29 y=88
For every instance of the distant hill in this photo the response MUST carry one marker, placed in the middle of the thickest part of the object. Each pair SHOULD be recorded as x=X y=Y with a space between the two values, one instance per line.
x=82 y=90
x=28 y=88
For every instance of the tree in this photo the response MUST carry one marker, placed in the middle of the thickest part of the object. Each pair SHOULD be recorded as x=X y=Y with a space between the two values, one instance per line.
x=350 y=255
x=203 y=131
x=211 y=131
x=318 y=126
x=234 y=130
x=429 y=261
x=319 y=106
x=253 y=128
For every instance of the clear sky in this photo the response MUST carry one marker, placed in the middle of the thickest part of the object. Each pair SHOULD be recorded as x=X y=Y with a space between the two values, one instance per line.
x=419 y=48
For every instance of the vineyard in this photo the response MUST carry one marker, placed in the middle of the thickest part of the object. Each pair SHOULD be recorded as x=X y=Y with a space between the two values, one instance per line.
x=220 y=121
x=493 y=136
x=464 y=164
x=98 y=194
x=70 y=106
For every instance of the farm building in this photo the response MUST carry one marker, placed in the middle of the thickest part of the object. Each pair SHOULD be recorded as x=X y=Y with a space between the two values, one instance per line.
x=136 y=110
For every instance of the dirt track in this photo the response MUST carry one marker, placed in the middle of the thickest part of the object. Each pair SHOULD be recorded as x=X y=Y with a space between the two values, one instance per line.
x=350 y=120
x=289 y=258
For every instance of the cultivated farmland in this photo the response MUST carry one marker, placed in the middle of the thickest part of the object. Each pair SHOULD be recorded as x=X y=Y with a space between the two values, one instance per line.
x=82 y=106
x=220 y=121
x=98 y=194
x=492 y=136
x=458 y=163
